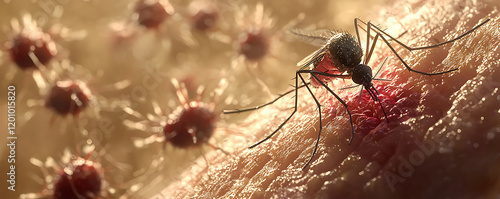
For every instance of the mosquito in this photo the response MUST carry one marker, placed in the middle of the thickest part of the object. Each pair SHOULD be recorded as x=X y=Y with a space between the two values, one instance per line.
x=345 y=52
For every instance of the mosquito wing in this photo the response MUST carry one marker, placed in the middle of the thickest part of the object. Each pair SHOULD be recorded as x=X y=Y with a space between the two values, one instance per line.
x=314 y=37
x=312 y=58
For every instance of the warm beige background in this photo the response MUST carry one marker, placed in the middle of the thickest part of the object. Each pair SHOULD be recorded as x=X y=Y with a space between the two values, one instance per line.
x=37 y=138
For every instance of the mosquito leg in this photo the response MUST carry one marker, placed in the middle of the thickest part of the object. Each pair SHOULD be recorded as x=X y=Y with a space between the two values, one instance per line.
x=263 y=105
x=379 y=69
x=288 y=118
x=368 y=28
x=335 y=95
x=369 y=54
x=378 y=30
x=357 y=31
x=430 y=46
x=355 y=24
x=394 y=51
x=320 y=120
x=408 y=67
x=369 y=50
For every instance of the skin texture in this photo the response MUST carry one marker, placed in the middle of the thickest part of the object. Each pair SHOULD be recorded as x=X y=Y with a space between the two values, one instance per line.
x=442 y=139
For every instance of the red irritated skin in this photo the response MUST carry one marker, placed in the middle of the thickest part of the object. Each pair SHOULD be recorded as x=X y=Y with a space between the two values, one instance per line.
x=441 y=141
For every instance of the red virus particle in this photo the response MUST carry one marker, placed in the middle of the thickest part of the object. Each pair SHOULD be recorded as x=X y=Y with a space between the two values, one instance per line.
x=68 y=97
x=190 y=125
x=254 y=45
x=152 y=13
x=30 y=46
x=81 y=179
x=204 y=16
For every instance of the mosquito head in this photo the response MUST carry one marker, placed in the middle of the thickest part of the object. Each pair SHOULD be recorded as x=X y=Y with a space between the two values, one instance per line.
x=362 y=74
x=345 y=51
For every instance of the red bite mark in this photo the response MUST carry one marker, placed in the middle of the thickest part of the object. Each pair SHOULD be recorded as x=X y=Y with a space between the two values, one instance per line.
x=68 y=97
x=379 y=138
x=151 y=13
x=80 y=179
x=25 y=47
x=254 y=45
x=190 y=126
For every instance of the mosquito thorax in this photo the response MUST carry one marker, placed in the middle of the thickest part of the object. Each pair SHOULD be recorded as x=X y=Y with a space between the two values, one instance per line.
x=345 y=51
x=362 y=74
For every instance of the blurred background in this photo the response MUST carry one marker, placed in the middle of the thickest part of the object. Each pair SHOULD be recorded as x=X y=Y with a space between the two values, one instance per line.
x=131 y=55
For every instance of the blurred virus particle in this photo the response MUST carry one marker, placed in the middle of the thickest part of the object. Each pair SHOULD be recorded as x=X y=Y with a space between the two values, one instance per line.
x=29 y=46
x=32 y=48
x=190 y=124
x=65 y=89
x=68 y=97
x=258 y=46
x=204 y=25
x=152 y=13
x=121 y=33
x=254 y=28
x=72 y=177
x=254 y=44
x=203 y=14
x=73 y=96
x=81 y=178
x=147 y=34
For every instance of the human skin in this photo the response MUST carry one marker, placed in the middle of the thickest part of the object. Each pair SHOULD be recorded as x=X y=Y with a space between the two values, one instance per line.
x=441 y=141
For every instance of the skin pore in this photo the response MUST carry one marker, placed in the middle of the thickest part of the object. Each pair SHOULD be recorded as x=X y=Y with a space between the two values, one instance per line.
x=442 y=139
